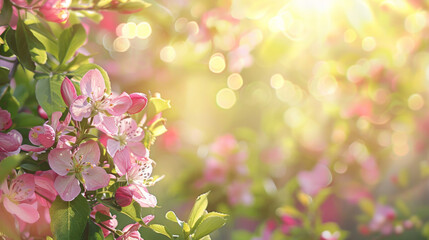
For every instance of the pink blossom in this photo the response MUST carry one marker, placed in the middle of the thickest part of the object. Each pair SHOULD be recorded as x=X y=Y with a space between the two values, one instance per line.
x=18 y=197
x=131 y=232
x=123 y=133
x=139 y=102
x=112 y=223
x=42 y=135
x=224 y=145
x=239 y=58
x=313 y=181
x=215 y=171
x=239 y=192
x=5 y=120
x=80 y=165
x=382 y=220
x=68 y=91
x=288 y=223
x=44 y=186
x=10 y=143
x=141 y=195
x=134 y=169
x=42 y=112
x=56 y=10
x=92 y=102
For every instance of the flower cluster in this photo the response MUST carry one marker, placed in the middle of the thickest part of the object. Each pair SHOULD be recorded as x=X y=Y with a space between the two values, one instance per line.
x=77 y=162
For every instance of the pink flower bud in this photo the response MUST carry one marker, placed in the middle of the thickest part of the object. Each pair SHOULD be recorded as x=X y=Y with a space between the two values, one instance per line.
x=139 y=102
x=42 y=112
x=68 y=91
x=124 y=196
x=56 y=10
x=5 y=120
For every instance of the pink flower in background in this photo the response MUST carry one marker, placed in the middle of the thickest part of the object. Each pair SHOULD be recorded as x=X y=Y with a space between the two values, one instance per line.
x=313 y=181
x=18 y=198
x=56 y=10
x=288 y=223
x=131 y=232
x=112 y=223
x=215 y=171
x=68 y=91
x=124 y=133
x=382 y=220
x=139 y=102
x=80 y=165
x=42 y=113
x=239 y=193
x=5 y=120
x=224 y=145
x=93 y=102
x=10 y=144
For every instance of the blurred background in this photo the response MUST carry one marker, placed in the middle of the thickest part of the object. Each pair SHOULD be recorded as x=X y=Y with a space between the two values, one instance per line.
x=306 y=119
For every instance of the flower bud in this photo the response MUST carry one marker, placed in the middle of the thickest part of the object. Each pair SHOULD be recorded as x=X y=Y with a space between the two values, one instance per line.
x=42 y=112
x=139 y=102
x=124 y=196
x=56 y=10
x=68 y=91
x=5 y=120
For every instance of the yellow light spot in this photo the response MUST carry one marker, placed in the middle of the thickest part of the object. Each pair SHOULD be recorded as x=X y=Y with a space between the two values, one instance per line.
x=235 y=81
x=180 y=24
x=192 y=28
x=144 y=30
x=217 y=63
x=277 y=81
x=121 y=44
x=129 y=30
x=326 y=85
x=415 y=102
x=340 y=167
x=415 y=22
x=349 y=36
x=168 y=54
x=119 y=29
x=369 y=44
x=225 y=98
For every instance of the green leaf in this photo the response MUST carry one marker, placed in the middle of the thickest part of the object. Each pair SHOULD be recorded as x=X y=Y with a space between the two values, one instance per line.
x=80 y=72
x=43 y=33
x=35 y=47
x=7 y=164
x=93 y=231
x=9 y=102
x=134 y=212
x=133 y=6
x=48 y=94
x=198 y=209
x=5 y=12
x=170 y=215
x=70 y=41
x=210 y=222
x=158 y=128
x=160 y=229
x=157 y=105
x=27 y=120
x=18 y=44
x=69 y=219
x=320 y=199
x=99 y=217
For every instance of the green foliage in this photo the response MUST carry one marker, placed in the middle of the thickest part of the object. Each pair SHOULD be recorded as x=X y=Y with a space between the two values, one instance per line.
x=48 y=93
x=69 y=219
x=92 y=231
x=7 y=164
x=200 y=223
x=70 y=41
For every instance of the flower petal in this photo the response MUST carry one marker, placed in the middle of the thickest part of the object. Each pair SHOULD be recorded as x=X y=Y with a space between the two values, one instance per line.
x=22 y=187
x=113 y=146
x=122 y=161
x=138 y=149
x=80 y=108
x=23 y=211
x=67 y=187
x=95 y=178
x=139 y=101
x=118 y=105
x=89 y=152
x=60 y=160
x=47 y=138
x=141 y=196
x=68 y=91
x=92 y=84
